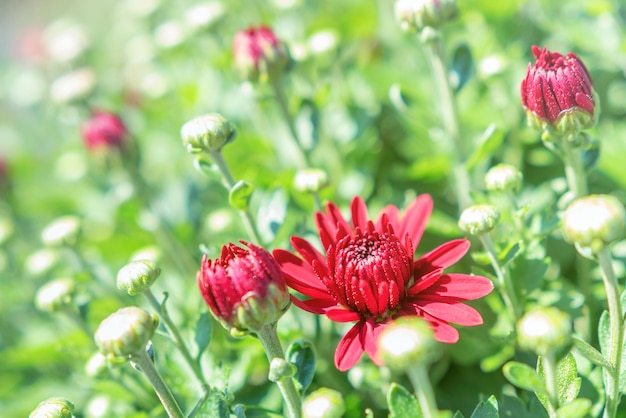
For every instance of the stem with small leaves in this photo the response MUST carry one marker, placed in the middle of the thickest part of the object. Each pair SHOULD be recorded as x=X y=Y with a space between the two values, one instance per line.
x=418 y=375
x=548 y=362
x=574 y=168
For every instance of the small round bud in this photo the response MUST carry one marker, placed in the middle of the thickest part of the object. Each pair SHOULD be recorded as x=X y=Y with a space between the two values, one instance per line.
x=207 y=133
x=97 y=365
x=405 y=342
x=137 y=276
x=479 y=219
x=56 y=295
x=62 y=231
x=324 y=403
x=415 y=15
x=74 y=86
x=53 y=408
x=594 y=221
x=503 y=177
x=125 y=332
x=544 y=330
x=311 y=180
x=41 y=262
x=281 y=369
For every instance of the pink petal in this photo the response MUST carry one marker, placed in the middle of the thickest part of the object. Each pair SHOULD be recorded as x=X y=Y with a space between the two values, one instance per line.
x=369 y=336
x=350 y=348
x=316 y=306
x=307 y=251
x=299 y=275
x=585 y=102
x=461 y=286
x=415 y=218
x=359 y=213
x=444 y=332
x=339 y=314
x=391 y=214
x=424 y=282
x=443 y=256
x=454 y=312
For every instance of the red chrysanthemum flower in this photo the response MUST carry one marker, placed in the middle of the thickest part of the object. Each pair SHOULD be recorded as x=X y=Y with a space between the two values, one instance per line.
x=369 y=275
x=556 y=84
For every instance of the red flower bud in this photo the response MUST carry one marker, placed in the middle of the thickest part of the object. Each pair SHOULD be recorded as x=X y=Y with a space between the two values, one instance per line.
x=104 y=130
x=258 y=53
x=557 y=91
x=244 y=288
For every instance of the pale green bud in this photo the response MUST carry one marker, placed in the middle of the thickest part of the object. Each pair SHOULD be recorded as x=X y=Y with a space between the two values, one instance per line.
x=479 y=219
x=406 y=342
x=544 y=331
x=56 y=295
x=503 y=177
x=416 y=15
x=125 y=332
x=54 y=408
x=281 y=369
x=97 y=365
x=592 y=222
x=207 y=133
x=62 y=231
x=137 y=276
x=311 y=180
x=324 y=403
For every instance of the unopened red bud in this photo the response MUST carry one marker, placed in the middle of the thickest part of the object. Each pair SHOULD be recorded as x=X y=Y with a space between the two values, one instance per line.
x=259 y=54
x=104 y=130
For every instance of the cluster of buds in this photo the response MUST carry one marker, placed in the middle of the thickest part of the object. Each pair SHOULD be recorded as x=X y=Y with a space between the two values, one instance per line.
x=244 y=288
x=258 y=54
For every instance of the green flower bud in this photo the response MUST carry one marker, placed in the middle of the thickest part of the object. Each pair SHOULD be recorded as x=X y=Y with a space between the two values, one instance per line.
x=479 y=219
x=544 y=331
x=281 y=369
x=62 y=231
x=595 y=221
x=56 y=295
x=125 y=332
x=415 y=15
x=137 y=276
x=53 y=408
x=407 y=341
x=324 y=403
x=311 y=180
x=207 y=133
x=503 y=177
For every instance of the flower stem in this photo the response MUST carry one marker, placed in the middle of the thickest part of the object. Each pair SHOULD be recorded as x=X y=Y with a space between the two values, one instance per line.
x=548 y=363
x=177 y=337
x=162 y=390
x=229 y=183
x=616 y=326
x=271 y=344
x=574 y=169
x=449 y=117
x=504 y=283
x=423 y=390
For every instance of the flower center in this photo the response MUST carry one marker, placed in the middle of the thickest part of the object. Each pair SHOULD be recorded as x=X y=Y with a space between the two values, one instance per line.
x=369 y=272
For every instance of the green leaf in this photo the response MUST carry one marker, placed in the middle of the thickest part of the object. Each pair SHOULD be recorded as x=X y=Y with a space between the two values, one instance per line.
x=402 y=403
x=523 y=376
x=510 y=253
x=307 y=124
x=239 y=196
x=204 y=325
x=578 y=408
x=204 y=165
x=567 y=380
x=458 y=414
x=490 y=141
x=528 y=273
x=590 y=353
x=486 y=409
x=604 y=333
x=462 y=66
x=495 y=361
x=214 y=407
x=302 y=355
x=272 y=213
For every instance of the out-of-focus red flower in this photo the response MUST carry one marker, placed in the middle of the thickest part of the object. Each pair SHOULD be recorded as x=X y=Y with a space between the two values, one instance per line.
x=557 y=85
x=244 y=288
x=104 y=130
x=30 y=47
x=369 y=275
x=258 y=53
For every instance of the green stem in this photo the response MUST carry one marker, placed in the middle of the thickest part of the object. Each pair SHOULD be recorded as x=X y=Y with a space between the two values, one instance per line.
x=574 y=169
x=229 y=183
x=162 y=390
x=449 y=117
x=504 y=283
x=616 y=326
x=549 y=371
x=271 y=344
x=177 y=337
x=423 y=390
x=281 y=99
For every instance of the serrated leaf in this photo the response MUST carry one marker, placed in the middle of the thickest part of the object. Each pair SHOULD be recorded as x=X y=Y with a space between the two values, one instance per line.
x=202 y=338
x=509 y=254
x=523 y=376
x=489 y=143
x=462 y=66
x=567 y=381
x=402 y=403
x=486 y=409
x=302 y=355
x=458 y=414
x=272 y=213
x=239 y=196
x=590 y=353
x=578 y=408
